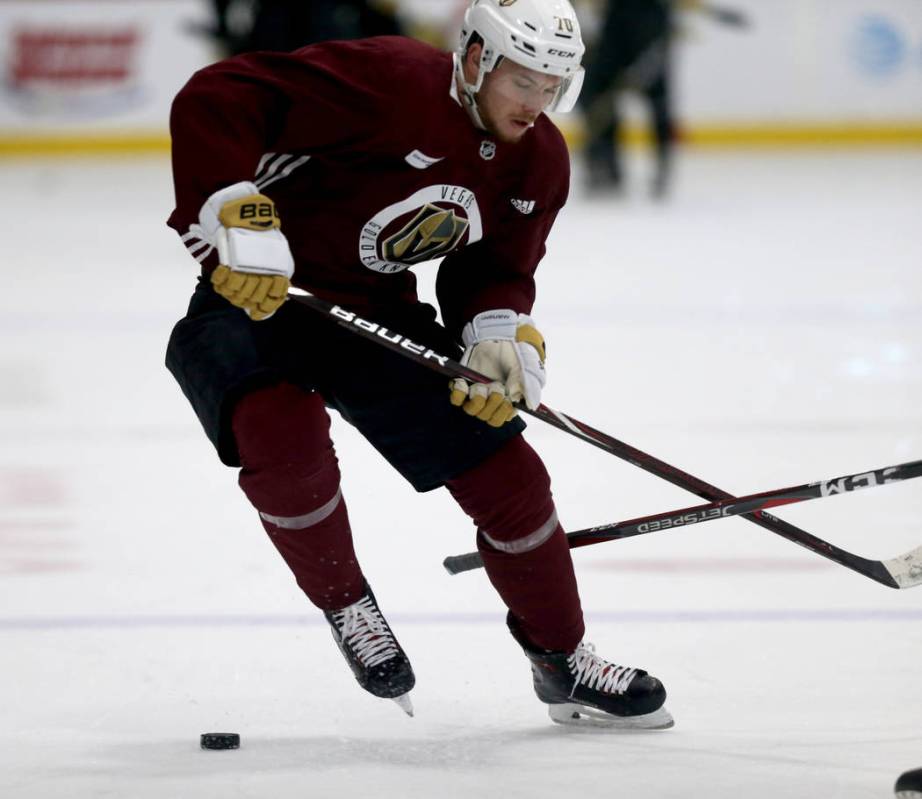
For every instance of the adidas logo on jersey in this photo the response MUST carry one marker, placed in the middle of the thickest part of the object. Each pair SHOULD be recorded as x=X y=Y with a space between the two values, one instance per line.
x=523 y=206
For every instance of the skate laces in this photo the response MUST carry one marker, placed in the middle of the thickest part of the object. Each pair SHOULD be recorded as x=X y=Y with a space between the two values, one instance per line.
x=597 y=673
x=364 y=629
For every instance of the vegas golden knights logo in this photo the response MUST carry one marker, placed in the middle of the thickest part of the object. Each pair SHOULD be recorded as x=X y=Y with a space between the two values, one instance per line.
x=430 y=234
x=441 y=218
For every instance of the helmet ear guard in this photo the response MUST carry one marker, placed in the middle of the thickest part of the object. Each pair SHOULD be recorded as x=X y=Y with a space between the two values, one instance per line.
x=543 y=35
x=489 y=57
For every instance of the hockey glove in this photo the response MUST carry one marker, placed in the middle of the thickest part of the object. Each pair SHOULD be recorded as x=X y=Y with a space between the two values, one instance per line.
x=255 y=263
x=507 y=347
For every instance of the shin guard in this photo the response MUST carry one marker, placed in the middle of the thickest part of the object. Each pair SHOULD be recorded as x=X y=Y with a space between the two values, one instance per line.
x=291 y=476
x=523 y=546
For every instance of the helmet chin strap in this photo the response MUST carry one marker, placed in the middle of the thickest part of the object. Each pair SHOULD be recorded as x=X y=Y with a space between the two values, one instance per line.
x=468 y=92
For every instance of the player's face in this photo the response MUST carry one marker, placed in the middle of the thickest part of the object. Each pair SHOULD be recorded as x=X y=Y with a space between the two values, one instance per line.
x=513 y=97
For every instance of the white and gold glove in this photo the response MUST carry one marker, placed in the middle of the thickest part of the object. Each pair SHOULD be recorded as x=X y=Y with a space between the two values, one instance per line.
x=506 y=347
x=255 y=263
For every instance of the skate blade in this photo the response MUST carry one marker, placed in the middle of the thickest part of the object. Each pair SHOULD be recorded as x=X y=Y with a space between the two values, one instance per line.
x=403 y=701
x=574 y=715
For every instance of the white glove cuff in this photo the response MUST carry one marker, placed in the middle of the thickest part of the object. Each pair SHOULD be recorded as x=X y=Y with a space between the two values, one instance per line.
x=261 y=252
x=496 y=325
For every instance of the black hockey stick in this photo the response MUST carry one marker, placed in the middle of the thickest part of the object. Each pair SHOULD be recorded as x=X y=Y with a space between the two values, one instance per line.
x=455 y=564
x=874 y=569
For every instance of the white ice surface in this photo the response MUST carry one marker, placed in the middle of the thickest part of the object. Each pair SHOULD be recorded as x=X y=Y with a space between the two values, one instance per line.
x=761 y=329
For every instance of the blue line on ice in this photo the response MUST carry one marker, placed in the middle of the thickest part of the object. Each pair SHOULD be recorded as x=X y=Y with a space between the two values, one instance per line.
x=38 y=623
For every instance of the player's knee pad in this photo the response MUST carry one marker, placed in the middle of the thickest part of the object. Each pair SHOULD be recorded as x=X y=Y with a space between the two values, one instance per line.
x=290 y=472
x=280 y=422
x=509 y=498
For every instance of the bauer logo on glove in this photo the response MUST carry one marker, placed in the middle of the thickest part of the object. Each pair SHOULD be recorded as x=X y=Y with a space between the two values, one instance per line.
x=255 y=212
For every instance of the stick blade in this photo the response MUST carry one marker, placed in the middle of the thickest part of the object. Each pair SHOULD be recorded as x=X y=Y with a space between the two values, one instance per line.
x=906 y=569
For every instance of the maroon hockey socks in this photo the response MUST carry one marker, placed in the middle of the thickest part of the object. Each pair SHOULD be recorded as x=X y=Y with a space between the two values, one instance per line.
x=291 y=475
x=523 y=546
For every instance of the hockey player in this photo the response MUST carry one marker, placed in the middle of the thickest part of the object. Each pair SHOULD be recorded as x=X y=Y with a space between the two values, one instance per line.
x=287 y=24
x=633 y=51
x=374 y=156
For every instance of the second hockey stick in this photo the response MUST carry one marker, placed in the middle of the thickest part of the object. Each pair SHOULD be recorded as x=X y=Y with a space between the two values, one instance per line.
x=874 y=569
x=902 y=571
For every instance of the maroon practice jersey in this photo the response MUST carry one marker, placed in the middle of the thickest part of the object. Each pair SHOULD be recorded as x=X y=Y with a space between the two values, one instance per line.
x=374 y=167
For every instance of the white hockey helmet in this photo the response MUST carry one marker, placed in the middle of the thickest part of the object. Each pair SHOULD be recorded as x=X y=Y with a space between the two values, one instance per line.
x=542 y=35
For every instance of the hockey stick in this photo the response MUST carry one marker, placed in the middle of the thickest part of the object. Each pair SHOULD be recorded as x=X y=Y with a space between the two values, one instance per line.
x=726 y=16
x=874 y=569
x=455 y=564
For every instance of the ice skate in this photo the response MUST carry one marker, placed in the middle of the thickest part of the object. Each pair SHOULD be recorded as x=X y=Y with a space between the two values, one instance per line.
x=583 y=689
x=369 y=646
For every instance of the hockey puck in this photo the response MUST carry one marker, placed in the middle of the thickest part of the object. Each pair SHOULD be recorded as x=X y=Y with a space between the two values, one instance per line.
x=220 y=740
x=909 y=785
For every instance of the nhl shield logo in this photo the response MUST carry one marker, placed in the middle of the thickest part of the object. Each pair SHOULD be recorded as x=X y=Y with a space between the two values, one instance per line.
x=487 y=150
